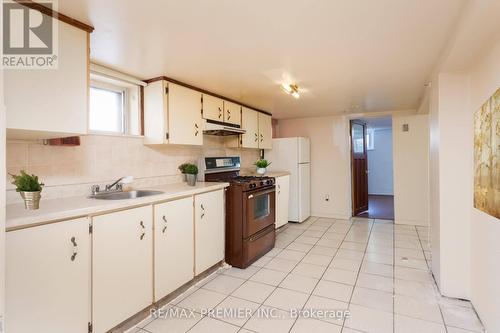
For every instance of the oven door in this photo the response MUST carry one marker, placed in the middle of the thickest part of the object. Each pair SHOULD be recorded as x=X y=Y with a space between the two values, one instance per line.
x=260 y=210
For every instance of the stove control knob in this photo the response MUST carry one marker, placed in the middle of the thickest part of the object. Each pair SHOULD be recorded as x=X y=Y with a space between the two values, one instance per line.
x=269 y=182
x=262 y=183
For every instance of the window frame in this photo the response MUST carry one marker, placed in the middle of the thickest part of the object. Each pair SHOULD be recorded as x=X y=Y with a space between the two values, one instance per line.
x=370 y=139
x=125 y=106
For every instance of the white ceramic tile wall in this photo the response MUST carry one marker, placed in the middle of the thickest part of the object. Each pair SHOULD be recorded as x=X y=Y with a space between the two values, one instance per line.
x=70 y=171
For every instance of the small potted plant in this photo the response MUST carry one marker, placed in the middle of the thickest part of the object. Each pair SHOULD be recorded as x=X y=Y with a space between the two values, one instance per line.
x=261 y=165
x=182 y=169
x=29 y=187
x=191 y=172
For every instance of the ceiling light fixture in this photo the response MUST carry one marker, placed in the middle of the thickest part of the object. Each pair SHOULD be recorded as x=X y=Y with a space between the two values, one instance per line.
x=291 y=89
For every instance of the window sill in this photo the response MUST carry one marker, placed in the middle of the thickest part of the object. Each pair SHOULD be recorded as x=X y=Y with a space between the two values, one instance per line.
x=115 y=135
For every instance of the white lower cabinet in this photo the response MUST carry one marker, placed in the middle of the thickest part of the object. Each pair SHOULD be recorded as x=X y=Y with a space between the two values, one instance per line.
x=48 y=278
x=282 y=199
x=209 y=229
x=173 y=246
x=122 y=266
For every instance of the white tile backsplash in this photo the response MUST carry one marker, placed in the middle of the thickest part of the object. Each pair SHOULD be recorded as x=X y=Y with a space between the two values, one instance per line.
x=101 y=159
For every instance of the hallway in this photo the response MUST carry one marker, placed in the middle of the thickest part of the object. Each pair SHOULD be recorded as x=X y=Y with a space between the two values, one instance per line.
x=379 y=207
x=376 y=270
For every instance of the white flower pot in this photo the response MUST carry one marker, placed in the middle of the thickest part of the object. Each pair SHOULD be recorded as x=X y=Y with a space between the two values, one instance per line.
x=31 y=199
x=191 y=179
x=261 y=171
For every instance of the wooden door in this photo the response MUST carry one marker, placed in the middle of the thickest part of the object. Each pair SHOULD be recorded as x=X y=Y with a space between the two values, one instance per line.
x=282 y=199
x=209 y=229
x=250 y=123
x=232 y=113
x=359 y=168
x=48 y=278
x=213 y=108
x=184 y=116
x=265 y=131
x=122 y=266
x=174 y=245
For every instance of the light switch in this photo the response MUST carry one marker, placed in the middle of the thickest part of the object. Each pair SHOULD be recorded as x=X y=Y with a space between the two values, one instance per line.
x=406 y=128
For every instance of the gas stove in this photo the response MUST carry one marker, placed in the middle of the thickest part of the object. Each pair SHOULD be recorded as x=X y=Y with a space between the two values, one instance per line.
x=250 y=210
x=252 y=182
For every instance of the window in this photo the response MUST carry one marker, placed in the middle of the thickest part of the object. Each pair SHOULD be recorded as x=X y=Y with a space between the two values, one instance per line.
x=106 y=110
x=370 y=139
x=114 y=106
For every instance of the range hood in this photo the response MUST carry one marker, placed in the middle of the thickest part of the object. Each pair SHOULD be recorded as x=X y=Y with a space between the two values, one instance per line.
x=218 y=128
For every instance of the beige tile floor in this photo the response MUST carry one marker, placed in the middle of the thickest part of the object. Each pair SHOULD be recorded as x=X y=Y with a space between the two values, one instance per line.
x=376 y=270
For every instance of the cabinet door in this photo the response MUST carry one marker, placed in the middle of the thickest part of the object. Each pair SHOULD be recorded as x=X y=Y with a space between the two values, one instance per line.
x=48 y=278
x=250 y=123
x=265 y=131
x=232 y=113
x=122 y=266
x=184 y=116
x=51 y=103
x=213 y=108
x=282 y=200
x=174 y=245
x=209 y=229
x=156 y=112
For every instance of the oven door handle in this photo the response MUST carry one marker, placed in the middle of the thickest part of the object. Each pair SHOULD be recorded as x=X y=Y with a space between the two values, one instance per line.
x=271 y=190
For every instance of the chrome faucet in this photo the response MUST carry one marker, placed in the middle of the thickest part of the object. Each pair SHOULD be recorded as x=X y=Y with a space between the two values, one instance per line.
x=118 y=185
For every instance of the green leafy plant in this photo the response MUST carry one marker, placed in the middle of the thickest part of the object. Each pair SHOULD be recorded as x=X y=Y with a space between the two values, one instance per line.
x=26 y=183
x=191 y=169
x=182 y=167
x=262 y=163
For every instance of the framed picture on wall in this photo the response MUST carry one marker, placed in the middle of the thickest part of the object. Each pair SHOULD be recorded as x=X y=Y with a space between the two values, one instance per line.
x=486 y=155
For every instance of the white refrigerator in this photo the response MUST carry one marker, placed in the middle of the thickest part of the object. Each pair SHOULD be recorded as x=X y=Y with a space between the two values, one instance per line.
x=293 y=155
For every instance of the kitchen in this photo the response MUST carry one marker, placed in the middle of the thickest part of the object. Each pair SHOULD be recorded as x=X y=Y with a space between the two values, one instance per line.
x=165 y=173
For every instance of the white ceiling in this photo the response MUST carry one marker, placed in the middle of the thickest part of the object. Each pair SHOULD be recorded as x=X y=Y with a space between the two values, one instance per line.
x=345 y=55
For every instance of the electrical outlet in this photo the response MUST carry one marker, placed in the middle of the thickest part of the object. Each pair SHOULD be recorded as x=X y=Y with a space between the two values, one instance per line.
x=327 y=197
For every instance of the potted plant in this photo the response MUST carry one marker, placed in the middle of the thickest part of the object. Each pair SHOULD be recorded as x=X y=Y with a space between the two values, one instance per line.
x=29 y=187
x=191 y=172
x=261 y=165
x=182 y=169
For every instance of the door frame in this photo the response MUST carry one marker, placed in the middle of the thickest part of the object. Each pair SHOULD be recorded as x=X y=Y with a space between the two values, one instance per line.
x=353 y=189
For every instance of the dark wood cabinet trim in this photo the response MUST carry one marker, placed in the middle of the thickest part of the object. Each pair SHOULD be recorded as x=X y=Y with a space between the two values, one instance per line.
x=166 y=78
x=61 y=17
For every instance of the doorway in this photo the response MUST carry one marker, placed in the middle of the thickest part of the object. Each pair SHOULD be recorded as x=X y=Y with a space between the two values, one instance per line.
x=371 y=168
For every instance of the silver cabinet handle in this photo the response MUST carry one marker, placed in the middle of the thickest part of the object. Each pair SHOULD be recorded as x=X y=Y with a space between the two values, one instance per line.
x=256 y=137
x=220 y=112
x=143 y=233
x=228 y=114
x=195 y=129
x=279 y=189
x=202 y=211
x=165 y=227
x=75 y=248
x=261 y=138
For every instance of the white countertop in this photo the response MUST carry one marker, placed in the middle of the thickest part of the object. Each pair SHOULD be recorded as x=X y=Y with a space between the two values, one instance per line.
x=67 y=208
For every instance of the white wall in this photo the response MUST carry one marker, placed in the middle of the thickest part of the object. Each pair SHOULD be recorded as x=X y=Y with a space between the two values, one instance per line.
x=455 y=184
x=330 y=162
x=411 y=170
x=485 y=229
x=380 y=163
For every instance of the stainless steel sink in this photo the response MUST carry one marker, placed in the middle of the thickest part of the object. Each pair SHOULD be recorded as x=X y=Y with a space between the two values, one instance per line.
x=124 y=195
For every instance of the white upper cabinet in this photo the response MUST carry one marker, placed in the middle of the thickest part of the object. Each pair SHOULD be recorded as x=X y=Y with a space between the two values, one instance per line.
x=265 y=131
x=213 y=108
x=250 y=123
x=122 y=266
x=209 y=229
x=232 y=113
x=173 y=245
x=49 y=103
x=172 y=114
x=48 y=278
